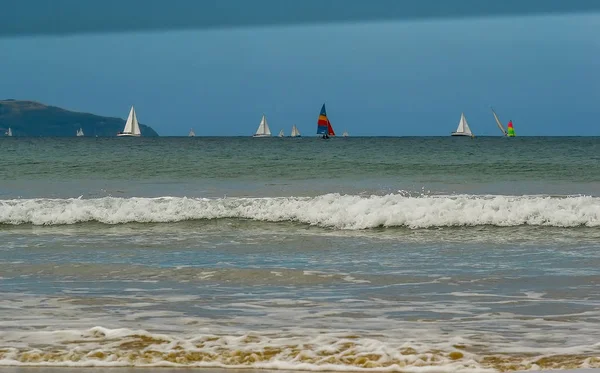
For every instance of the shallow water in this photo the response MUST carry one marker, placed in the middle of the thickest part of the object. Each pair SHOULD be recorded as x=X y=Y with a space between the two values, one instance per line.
x=396 y=254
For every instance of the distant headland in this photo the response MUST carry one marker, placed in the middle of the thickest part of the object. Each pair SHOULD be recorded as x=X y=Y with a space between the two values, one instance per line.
x=29 y=118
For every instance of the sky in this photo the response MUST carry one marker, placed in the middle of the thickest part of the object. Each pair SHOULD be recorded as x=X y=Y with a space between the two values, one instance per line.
x=393 y=78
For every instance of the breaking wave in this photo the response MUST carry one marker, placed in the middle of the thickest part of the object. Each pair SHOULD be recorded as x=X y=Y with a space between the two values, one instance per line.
x=330 y=210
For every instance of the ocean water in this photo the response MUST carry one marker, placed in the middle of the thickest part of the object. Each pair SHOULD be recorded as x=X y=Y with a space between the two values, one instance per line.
x=356 y=254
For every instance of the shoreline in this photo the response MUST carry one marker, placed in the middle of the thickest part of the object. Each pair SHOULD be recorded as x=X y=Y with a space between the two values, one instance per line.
x=35 y=369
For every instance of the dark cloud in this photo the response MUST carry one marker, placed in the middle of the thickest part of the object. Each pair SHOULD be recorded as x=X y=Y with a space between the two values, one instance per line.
x=60 y=17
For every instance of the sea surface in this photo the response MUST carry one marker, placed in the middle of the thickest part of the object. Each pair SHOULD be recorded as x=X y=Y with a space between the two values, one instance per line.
x=357 y=254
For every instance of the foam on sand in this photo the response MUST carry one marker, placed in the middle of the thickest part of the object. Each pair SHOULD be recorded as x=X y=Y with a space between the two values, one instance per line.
x=322 y=352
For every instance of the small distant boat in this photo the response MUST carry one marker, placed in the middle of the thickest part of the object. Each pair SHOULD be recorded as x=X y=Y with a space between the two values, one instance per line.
x=324 y=127
x=132 y=127
x=280 y=133
x=511 y=129
x=263 y=128
x=463 y=128
x=80 y=132
x=192 y=133
x=8 y=132
x=295 y=132
x=345 y=134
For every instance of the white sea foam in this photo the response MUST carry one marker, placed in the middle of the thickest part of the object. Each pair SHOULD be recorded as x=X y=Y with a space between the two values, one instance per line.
x=331 y=210
x=276 y=332
x=101 y=346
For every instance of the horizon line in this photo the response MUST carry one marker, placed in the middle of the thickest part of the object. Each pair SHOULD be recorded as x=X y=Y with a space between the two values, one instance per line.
x=316 y=136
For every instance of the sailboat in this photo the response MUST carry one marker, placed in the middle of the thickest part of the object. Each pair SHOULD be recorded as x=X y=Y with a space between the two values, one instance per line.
x=263 y=128
x=8 y=132
x=192 y=133
x=510 y=132
x=295 y=132
x=345 y=134
x=463 y=127
x=511 y=129
x=80 y=132
x=132 y=127
x=324 y=125
x=280 y=133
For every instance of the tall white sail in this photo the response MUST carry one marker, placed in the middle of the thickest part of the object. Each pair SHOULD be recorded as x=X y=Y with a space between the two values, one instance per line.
x=9 y=132
x=345 y=134
x=132 y=127
x=461 y=124
x=295 y=132
x=263 y=128
x=280 y=133
x=466 y=126
x=192 y=133
x=136 y=126
x=463 y=127
x=80 y=132
x=129 y=123
x=499 y=123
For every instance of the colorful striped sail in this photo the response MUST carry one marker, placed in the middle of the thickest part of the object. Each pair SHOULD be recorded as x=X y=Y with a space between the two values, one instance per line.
x=511 y=130
x=323 y=124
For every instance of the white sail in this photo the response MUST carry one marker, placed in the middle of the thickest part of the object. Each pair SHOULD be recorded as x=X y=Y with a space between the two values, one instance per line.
x=9 y=132
x=295 y=132
x=136 y=126
x=345 y=134
x=80 y=132
x=132 y=127
x=463 y=127
x=129 y=123
x=466 y=128
x=192 y=133
x=499 y=123
x=263 y=128
x=280 y=133
x=461 y=124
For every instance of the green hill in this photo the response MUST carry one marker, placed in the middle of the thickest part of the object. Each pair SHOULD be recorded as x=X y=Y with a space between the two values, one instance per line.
x=28 y=118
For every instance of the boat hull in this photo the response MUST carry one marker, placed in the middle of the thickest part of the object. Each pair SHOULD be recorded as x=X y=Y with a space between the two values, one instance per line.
x=460 y=134
x=127 y=135
x=261 y=135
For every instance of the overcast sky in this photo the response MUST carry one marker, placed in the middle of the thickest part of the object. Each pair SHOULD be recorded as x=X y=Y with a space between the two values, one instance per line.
x=392 y=78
